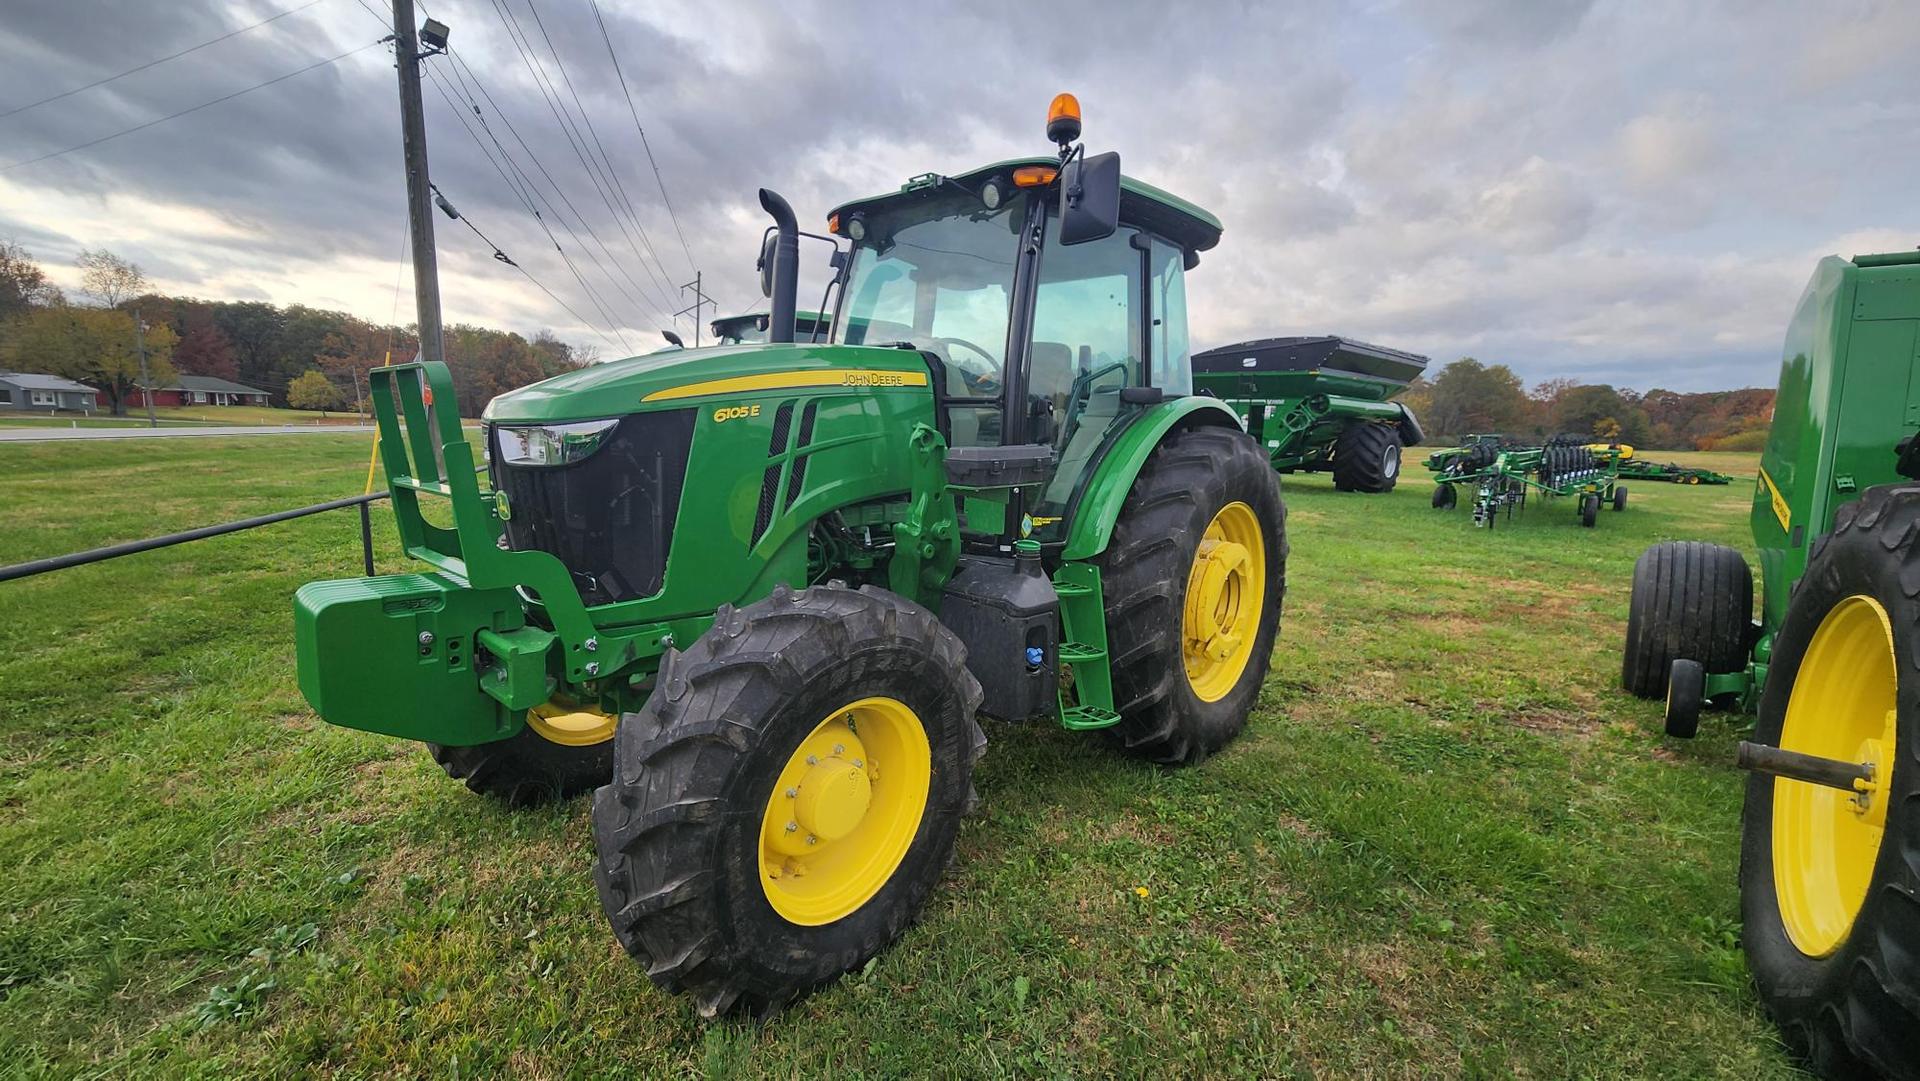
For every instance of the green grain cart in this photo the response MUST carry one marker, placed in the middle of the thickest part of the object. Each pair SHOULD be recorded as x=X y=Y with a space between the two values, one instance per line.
x=1830 y=849
x=1319 y=404
x=755 y=594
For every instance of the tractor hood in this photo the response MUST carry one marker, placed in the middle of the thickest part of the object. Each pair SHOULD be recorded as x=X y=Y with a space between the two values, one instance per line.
x=686 y=376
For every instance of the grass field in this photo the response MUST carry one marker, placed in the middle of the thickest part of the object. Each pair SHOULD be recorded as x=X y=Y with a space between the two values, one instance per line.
x=187 y=415
x=1446 y=846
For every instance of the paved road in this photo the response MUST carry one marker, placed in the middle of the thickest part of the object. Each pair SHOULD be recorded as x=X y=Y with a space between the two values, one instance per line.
x=46 y=435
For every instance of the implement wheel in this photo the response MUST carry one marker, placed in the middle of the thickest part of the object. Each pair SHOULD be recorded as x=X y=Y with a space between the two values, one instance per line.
x=789 y=795
x=1194 y=577
x=1444 y=497
x=1619 y=497
x=1589 y=509
x=1691 y=600
x=563 y=751
x=1366 y=457
x=1829 y=879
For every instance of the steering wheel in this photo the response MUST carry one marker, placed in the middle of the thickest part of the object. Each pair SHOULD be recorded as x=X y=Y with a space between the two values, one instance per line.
x=983 y=377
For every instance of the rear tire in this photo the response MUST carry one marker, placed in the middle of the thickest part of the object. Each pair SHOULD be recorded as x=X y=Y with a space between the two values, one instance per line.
x=1190 y=478
x=683 y=871
x=1692 y=600
x=526 y=769
x=1366 y=457
x=1851 y=1003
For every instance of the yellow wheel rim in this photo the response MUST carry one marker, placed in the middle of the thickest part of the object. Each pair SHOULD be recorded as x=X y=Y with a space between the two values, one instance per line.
x=570 y=725
x=844 y=811
x=1825 y=841
x=1226 y=590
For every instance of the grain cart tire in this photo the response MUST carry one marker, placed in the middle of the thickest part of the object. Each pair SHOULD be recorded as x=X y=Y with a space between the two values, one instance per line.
x=1692 y=600
x=1589 y=509
x=1366 y=457
x=1830 y=891
x=1444 y=497
x=528 y=767
x=1194 y=578
x=788 y=796
x=1619 y=497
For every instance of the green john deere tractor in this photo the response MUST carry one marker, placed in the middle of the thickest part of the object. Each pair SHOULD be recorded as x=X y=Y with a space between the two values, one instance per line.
x=1830 y=848
x=755 y=594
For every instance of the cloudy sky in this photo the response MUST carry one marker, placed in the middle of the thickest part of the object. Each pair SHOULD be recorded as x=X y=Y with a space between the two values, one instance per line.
x=1623 y=192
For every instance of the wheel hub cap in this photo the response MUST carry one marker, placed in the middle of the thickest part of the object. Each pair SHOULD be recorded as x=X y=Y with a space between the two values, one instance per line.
x=1226 y=591
x=836 y=826
x=1826 y=841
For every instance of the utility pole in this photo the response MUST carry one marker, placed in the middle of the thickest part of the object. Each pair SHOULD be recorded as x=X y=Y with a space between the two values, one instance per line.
x=146 y=381
x=413 y=137
x=699 y=299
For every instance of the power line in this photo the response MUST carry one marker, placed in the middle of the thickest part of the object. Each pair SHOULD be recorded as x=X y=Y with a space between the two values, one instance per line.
x=648 y=147
x=610 y=172
x=575 y=270
x=502 y=256
x=461 y=65
x=193 y=109
x=544 y=83
x=162 y=60
x=526 y=183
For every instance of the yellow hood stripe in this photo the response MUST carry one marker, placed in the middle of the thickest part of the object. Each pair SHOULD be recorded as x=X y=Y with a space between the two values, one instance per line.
x=818 y=377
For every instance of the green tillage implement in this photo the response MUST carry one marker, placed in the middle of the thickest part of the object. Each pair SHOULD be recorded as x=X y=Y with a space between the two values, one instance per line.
x=754 y=594
x=1498 y=475
x=1830 y=838
x=1635 y=468
x=1319 y=404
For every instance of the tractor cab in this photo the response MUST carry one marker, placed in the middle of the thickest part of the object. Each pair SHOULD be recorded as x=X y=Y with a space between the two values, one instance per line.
x=1035 y=339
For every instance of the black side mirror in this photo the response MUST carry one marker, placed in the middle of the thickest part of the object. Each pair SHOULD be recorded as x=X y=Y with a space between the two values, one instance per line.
x=1090 y=198
x=765 y=265
x=673 y=339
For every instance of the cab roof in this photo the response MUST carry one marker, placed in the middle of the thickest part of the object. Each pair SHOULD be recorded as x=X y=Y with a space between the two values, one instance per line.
x=1141 y=204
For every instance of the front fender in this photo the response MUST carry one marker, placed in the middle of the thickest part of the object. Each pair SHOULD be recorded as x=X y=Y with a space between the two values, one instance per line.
x=1099 y=505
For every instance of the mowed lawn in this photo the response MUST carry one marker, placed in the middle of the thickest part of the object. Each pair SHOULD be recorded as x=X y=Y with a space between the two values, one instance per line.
x=1447 y=844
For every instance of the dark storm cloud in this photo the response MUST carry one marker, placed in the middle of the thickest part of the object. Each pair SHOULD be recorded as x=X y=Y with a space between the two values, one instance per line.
x=1628 y=193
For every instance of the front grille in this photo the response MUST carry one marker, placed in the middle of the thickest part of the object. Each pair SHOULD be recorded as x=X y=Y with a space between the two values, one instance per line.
x=608 y=518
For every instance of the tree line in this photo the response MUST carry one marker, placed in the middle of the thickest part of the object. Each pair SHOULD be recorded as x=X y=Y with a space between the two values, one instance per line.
x=1467 y=397
x=307 y=358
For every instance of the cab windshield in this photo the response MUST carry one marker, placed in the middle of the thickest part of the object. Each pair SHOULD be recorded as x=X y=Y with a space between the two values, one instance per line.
x=938 y=273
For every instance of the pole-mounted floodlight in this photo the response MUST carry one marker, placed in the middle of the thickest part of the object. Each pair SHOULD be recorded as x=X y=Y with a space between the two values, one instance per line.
x=433 y=34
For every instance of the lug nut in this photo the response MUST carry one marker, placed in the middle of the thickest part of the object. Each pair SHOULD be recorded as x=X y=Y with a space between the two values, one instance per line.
x=859 y=764
x=811 y=839
x=839 y=748
x=793 y=827
x=792 y=792
x=813 y=760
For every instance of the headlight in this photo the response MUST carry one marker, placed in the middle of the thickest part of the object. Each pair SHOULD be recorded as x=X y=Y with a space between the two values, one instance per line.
x=551 y=444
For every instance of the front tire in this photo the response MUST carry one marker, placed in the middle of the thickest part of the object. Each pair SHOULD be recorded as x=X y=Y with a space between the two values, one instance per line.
x=789 y=795
x=1182 y=577
x=1366 y=457
x=1830 y=891
x=559 y=754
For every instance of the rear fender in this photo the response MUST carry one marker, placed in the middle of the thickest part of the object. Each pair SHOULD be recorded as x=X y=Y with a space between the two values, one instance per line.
x=1098 y=507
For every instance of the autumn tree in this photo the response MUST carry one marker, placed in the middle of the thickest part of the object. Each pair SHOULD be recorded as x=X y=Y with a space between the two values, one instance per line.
x=1602 y=412
x=96 y=346
x=1468 y=396
x=313 y=390
x=203 y=350
x=23 y=285
x=109 y=279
